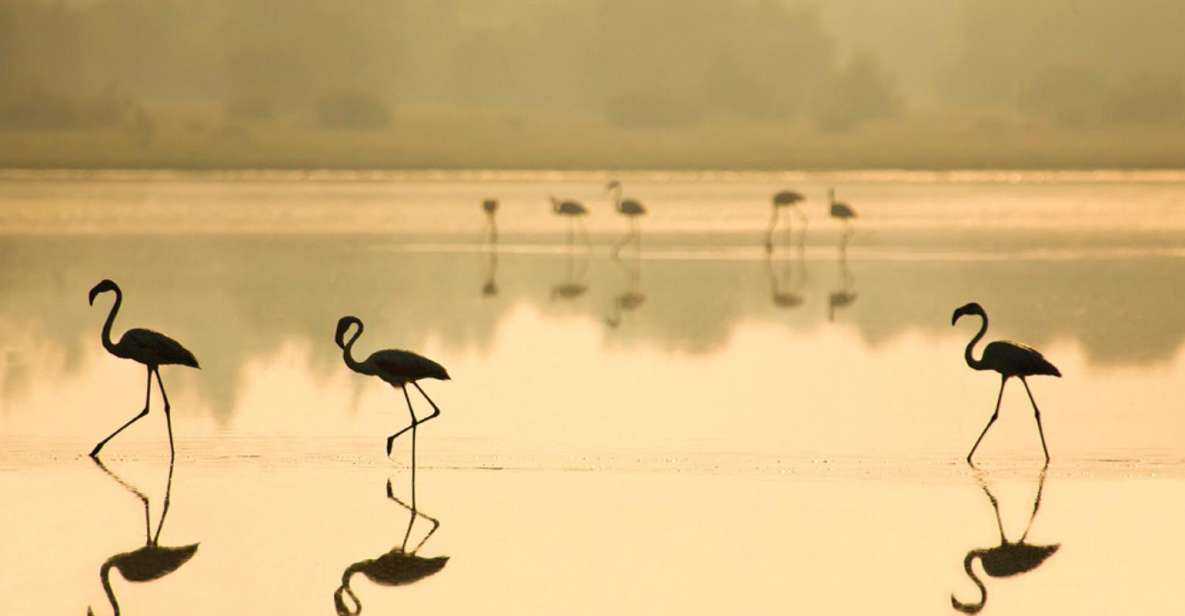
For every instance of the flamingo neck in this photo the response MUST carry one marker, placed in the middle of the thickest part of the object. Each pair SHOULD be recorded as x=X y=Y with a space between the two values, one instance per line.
x=617 y=198
x=971 y=608
x=348 y=353
x=971 y=361
x=107 y=325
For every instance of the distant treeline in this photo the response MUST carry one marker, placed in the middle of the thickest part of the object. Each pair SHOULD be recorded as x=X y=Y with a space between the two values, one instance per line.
x=160 y=80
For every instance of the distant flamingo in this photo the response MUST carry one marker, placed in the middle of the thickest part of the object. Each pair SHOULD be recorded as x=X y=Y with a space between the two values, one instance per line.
x=490 y=206
x=1006 y=559
x=398 y=368
x=145 y=346
x=573 y=211
x=1009 y=359
x=783 y=199
x=632 y=209
x=150 y=562
x=398 y=567
x=841 y=211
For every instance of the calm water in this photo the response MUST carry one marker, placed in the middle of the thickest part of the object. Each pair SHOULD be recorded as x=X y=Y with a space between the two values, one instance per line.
x=690 y=427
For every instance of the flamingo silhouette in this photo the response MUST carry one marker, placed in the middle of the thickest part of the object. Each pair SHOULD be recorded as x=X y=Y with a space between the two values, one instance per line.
x=573 y=211
x=490 y=206
x=632 y=209
x=397 y=368
x=150 y=348
x=398 y=567
x=783 y=199
x=1010 y=359
x=841 y=211
x=150 y=562
x=1008 y=558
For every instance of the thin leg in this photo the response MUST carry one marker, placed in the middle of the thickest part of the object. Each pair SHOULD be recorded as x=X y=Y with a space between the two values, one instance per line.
x=996 y=508
x=391 y=439
x=1036 y=505
x=1037 y=414
x=995 y=415
x=435 y=409
x=147 y=391
x=769 y=233
x=168 y=416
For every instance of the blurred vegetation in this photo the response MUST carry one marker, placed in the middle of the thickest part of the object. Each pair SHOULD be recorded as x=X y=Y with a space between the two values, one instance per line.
x=591 y=83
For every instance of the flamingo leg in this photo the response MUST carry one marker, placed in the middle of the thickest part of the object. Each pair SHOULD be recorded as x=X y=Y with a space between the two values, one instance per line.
x=147 y=391
x=1037 y=414
x=995 y=415
x=769 y=233
x=168 y=416
x=391 y=439
x=1036 y=506
x=435 y=409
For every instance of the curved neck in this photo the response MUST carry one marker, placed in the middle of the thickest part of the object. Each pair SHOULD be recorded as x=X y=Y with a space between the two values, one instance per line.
x=555 y=204
x=348 y=354
x=971 y=608
x=971 y=361
x=105 y=576
x=107 y=344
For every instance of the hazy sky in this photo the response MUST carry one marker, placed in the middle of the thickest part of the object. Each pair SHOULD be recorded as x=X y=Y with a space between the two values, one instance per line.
x=350 y=64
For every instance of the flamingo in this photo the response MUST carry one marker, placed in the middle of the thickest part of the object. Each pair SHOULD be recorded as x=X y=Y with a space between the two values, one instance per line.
x=398 y=368
x=782 y=199
x=632 y=209
x=841 y=211
x=1010 y=359
x=573 y=211
x=150 y=562
x=150 y=348
x=490 y=206
x=1006 y=559
x=632 y=298
x=398 y=567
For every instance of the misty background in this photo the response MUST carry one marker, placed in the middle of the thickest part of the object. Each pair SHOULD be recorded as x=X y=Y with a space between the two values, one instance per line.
x=592 y=83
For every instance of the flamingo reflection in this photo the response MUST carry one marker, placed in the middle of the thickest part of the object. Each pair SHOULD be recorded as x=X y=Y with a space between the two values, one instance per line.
x=845 y=295
x=398 y=567
x=150 y=562
x=1007 y=559
x=632 y=297
x=785 y=286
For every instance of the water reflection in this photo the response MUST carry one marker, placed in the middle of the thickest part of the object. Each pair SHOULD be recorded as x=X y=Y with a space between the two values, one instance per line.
x=845 y=295
x=632 y=297
x=572 y=285
x=1007 y=559
x=148 y=563
x=399 y=566
x=490 y=287
x=786 y=285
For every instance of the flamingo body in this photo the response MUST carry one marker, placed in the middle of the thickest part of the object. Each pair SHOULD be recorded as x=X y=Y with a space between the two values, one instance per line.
x=631 y=207
x=490 y=206
x=151 y=562
x=788 y=197
x=568 y=207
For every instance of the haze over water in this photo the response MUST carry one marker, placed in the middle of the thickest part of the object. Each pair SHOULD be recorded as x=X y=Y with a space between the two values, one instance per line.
x=691 y=427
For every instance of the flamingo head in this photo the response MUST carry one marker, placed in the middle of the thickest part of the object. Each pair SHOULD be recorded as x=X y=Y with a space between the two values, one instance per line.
x=965 y=309
x=104 y=285
x=343 y=325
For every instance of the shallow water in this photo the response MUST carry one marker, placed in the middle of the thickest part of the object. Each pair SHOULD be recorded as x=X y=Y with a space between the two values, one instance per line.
x=690 y=427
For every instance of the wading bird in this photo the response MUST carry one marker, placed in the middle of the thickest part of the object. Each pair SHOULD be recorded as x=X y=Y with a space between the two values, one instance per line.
x=632 y=209
x=150 y=562
x=784 y=199
x=1010 y=359
x=573 y=211
x=398 y=368
x=842 y=211
x=490 y=206
x=1006 y=559
x=147 y=347
x=398 y=567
